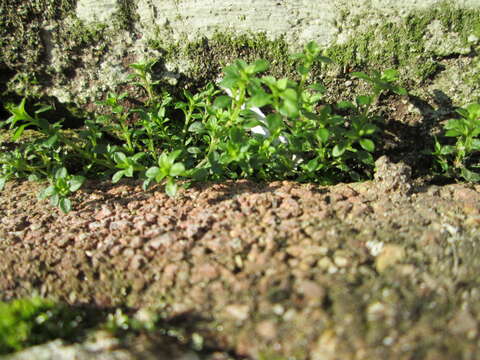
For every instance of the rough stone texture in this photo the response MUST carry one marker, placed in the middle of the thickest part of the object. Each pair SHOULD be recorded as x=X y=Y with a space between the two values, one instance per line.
x=299 y=21
x=297 y=271
x=77 y=50
x=103 y=347
x=96 y=11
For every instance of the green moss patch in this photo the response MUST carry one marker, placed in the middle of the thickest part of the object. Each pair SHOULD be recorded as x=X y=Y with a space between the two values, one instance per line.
x=406 y=44
x=30 y=321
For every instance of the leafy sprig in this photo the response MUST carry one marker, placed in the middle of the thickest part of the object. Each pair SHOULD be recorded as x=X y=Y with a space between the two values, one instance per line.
x=249 y=126
x=460 y=160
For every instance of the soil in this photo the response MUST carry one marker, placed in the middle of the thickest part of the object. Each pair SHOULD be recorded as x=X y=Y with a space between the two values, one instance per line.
x=384 y=269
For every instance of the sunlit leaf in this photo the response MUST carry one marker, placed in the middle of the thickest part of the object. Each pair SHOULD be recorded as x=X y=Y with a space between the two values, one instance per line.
x=177 y=169
x=65 y=205
x=339 y=149
x=171 y=188
x=117 y=176
x=367 y=144
x=76 y=182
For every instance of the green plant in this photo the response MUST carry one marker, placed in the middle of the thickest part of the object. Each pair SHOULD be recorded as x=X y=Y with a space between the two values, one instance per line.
x=62 y=185
x=381 y=82
x=128 y=165
x=117 y=122
x=20 y=115
x=250 y=126
x=167 y=169
x=142 y=74
x=459 y=159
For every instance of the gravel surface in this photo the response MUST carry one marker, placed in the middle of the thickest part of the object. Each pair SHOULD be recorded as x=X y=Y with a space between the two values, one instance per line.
x=385 y=269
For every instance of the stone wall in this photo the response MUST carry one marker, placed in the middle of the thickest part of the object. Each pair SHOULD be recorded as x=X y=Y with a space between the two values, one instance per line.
x=75 y=51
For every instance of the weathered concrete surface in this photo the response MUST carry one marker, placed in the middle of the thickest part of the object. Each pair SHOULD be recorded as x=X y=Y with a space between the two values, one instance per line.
x=299 y=21
x=77 y=53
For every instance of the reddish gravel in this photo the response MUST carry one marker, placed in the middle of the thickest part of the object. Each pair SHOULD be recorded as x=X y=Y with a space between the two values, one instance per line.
x=386 y=269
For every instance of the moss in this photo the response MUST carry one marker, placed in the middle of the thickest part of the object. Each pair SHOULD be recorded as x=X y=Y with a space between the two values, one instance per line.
x=126 y=16
x=21 y=26
x=207 y=56
x=393 y=44
x=27 y=30
x=34 y=320
x=403 y=44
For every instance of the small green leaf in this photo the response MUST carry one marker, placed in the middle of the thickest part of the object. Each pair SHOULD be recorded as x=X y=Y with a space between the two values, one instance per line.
x=117 y=176
x=181 y=105
x=33 y=177
x=173 y=155
x=447 y=150
x=146 y=184
x=51 y=141
x=282 y=84
x=54 y=199
x=222 y=102
x=274 y=122
x=65 y=205
x=138 y=156
x=324 y=59
x=117 y=109
x=318 y=87
x=367 y=144
x=470 y=175
x=312 y=165
x=61 y=173
x=128 y=172
x=260 y=66
x=43 y=124
x=369 y=129
x=177 y=169
x=462 y=112
x=311 y=116
x=119 y=157
x=230 y=82
x=289 y=109
x=47 y=192
x=303 y=70
x=297 y=56
x=339 y=149
x=194 y=150
x=76 y=182
x=390 y=75
x=237 y=135
x=3 y=180
x=250 y=123
x=43 y=108
x=361 y=75
x=476 y=144
x=152 y=172
x=312 y=47
x=290 y=94
x=260 y=99
x=171 y=188
x=197 y=127
x=365 y=157
x=400 y=91
x=453 y=133
x=474 y=111
x=323 y=134
x=343 y=105
x=18 y=132
x=364 y=100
